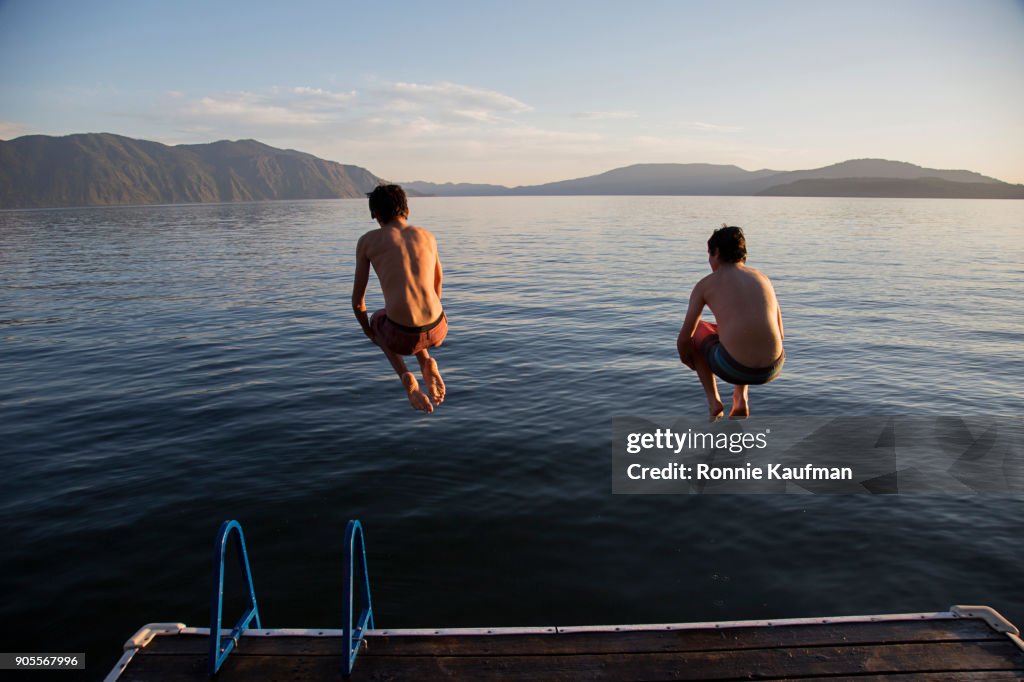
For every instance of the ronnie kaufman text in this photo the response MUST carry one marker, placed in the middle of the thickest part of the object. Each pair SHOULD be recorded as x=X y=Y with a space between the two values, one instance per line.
x=706 y=472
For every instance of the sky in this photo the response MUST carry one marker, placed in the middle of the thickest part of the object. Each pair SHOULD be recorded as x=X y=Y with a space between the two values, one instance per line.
x=526 y=92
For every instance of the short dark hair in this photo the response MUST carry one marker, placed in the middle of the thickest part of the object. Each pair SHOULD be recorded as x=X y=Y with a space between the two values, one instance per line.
x=730 y=244
x=388 y=201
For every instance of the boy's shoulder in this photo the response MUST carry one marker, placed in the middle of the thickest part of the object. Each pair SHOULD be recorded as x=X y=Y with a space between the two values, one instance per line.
x=708 y=280
x=758 y=274
x=731 y=278
x=754 y=270
x=743 y=272
x=423 y=231
x=367 y=239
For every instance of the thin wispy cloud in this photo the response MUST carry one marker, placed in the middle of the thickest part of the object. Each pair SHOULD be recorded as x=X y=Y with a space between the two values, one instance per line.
x=248 y=108
x=606 y=115
x=405 y=127
x=299 y=105
x=455 y=96
x=479 y=116
x=397 y=104
x=713 y=127
x=321 y=95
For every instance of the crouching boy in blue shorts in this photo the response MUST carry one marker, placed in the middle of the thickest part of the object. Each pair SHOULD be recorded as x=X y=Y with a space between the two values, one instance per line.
x=744 y=346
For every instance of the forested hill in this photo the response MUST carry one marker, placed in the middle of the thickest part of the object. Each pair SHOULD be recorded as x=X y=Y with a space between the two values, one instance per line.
x=100 y=169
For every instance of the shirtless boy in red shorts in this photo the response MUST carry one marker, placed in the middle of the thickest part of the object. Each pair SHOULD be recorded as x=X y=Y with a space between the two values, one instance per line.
x=748 y=323
x=405 y=259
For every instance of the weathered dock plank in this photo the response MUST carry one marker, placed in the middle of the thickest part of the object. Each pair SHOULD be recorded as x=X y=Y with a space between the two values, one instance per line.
x=899 y=650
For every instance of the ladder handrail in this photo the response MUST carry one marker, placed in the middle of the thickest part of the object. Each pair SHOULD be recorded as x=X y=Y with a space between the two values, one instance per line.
x=219 y=649
x=355 y=550
x=354 y=637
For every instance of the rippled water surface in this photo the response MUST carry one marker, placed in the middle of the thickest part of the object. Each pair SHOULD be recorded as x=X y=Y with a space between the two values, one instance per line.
x=164 y=368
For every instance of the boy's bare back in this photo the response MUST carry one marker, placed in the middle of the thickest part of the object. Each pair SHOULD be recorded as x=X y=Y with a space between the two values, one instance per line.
x=407 y=266
x=746 y=311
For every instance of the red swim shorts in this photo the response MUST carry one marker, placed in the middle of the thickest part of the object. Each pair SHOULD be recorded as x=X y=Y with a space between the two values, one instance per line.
x=407 y=340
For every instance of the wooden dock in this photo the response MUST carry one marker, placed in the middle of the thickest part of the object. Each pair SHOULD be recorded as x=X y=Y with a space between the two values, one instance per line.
x=967 y=643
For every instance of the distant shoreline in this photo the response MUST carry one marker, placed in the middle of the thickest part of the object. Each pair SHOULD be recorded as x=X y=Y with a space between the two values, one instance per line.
x=518 y=196
x=103 y=169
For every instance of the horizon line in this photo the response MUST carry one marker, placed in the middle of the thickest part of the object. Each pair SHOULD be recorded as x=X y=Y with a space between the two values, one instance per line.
x=519 y=186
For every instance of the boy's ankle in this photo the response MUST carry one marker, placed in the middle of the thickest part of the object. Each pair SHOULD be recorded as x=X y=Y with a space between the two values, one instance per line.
x=409 y=381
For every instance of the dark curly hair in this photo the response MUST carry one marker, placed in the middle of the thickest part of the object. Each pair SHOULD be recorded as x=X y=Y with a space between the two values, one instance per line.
x=388 y=201
x=730 y=244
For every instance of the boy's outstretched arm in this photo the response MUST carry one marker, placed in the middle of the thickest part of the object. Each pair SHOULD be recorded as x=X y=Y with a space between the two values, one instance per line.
x=362 y=278
x=684 y=344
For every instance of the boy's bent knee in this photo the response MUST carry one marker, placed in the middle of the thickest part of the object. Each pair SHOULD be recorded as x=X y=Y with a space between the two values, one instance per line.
x=685 y=350
x=688 y=360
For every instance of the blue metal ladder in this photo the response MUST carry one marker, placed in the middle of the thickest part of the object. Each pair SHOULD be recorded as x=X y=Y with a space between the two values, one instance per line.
x=353 y=636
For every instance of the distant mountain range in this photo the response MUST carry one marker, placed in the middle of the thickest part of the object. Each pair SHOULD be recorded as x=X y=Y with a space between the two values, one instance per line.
x=98 y=169
x=857 y=178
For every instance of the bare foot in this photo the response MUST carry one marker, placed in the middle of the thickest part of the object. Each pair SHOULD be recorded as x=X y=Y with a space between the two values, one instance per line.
x=432 y=378
x=417 y=398
x=739 y=409
x=717 y=409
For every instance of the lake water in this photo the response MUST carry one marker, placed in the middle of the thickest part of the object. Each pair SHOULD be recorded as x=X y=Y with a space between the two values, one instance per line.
x=165 y=368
